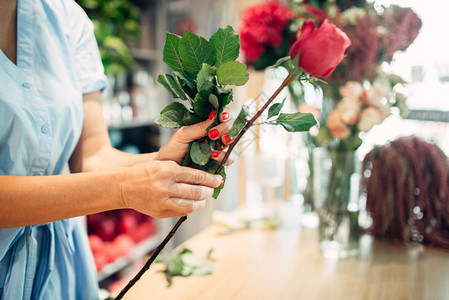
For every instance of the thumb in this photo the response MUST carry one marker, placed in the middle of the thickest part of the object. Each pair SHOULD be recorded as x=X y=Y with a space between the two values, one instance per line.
x=198 y=130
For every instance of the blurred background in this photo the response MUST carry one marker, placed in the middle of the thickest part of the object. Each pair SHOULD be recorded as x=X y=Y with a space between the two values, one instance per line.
x=271 y=168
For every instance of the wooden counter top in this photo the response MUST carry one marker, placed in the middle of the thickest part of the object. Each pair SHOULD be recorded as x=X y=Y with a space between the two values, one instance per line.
x=286 y=264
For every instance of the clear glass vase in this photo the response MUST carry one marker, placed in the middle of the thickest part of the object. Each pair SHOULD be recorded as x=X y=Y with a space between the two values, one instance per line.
x=336 y=182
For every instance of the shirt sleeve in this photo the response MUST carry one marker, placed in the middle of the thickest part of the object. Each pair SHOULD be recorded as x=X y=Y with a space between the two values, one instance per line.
x=87 y=61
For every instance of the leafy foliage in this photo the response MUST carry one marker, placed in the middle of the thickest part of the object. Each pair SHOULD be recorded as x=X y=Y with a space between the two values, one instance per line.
x=114 y=22
x=201 y=70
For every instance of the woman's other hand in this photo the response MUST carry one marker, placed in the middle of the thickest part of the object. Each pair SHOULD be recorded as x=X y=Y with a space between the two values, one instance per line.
x=177 y=146
x=164 y=189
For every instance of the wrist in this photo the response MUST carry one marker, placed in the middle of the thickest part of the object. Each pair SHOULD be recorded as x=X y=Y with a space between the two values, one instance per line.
x=118 y=179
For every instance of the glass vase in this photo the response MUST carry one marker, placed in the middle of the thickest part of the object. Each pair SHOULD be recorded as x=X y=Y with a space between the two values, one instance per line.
x=336 y=182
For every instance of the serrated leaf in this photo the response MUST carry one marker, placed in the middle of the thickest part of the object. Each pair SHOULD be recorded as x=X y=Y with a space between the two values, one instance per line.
x=226 y=100
x=201 y=104
x=206 y=74
x=239 y=122
x=194 y=51
x=218 y=189
x=173 y=86
x=187 y=80
x=232 y=72
x=187 y=161
x=296 y=121
x=227 y=45
x=225 y=96
x=171 y=52
x=213 y=100
x=191 y=119
x=200 y=153
x=173 y=115
x=275 y=109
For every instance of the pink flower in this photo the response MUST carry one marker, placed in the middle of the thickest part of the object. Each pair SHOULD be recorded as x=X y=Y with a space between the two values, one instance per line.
x=351 y=90
x=306 y=108
x=334 y=120
x=340 y=132
x=368 y=118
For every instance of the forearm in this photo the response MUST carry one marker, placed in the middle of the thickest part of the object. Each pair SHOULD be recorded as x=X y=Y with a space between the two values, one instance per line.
x=109 y=158
x=30 y=200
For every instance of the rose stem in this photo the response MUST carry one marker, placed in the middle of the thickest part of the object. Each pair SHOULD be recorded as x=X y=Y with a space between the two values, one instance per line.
x=291 y=76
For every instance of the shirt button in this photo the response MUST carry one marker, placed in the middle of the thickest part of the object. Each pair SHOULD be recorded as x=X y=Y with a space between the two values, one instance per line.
x=26 y=85
x=44 y=129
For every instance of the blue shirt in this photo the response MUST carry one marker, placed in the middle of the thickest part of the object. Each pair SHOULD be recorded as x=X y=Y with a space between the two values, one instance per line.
x=41 y=116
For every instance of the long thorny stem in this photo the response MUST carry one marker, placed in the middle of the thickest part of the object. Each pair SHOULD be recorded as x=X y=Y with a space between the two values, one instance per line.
x=291 y=76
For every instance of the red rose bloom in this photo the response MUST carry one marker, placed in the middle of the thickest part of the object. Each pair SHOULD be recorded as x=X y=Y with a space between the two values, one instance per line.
x=262 y=26
x=320 y=49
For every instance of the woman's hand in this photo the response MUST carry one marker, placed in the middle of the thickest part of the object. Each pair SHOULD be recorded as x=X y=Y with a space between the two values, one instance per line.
x=177 y=146
x=164 y=189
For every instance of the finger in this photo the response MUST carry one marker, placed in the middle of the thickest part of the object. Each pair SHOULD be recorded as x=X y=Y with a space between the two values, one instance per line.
x=221 y=129
x=225 y=116
x=196 y=131
x=226 y=139
x=185 y=205
x=198 y=177
x=189 y=191
x=219 y=155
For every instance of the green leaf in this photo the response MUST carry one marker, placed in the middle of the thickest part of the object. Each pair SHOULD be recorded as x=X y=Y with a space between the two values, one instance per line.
x=191 y=119
x=172 y=85
x=232 y=72
x=226 y=100
x=225 y=96
x=206 y=74
x=296 y=121
x=227 y=45
x=239 y=122
x=200 y=153
x=171 y=52
x=187 y=80
x=217 y=190
x=173 y=115
x=194 y=51
x=213 y=100
x=187 y=161
x=201 y=104
x=275 y=109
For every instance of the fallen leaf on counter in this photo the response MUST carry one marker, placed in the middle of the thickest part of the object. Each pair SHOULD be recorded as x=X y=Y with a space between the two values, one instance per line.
x=184 y=263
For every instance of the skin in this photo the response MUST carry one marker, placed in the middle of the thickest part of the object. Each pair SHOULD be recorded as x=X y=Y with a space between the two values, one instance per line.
x=104 y=178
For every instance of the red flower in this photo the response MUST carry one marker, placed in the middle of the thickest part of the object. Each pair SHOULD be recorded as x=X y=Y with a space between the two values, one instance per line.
x=262 y=26
x=320 y=49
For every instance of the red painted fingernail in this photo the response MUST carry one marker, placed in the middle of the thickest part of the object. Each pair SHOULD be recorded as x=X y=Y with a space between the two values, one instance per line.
x=214 y=154
x=212 y=114
x=227 y=139
x=225 y=116
x=222 y=182
x=213 y=133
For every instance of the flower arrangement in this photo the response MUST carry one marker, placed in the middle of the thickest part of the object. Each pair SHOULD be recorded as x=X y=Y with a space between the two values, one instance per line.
x=377 y=33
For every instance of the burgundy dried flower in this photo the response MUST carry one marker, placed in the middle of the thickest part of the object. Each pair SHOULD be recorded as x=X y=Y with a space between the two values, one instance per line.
x=403 y=26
